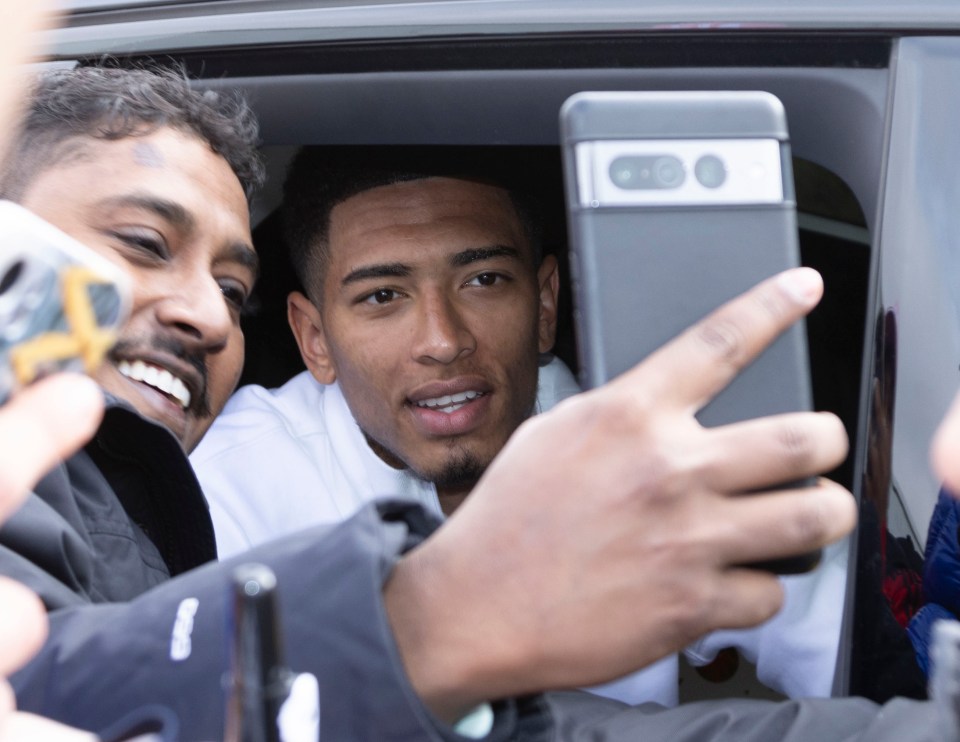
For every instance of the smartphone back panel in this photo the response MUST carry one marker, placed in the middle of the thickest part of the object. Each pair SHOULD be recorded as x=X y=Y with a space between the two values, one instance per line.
x=658 y=242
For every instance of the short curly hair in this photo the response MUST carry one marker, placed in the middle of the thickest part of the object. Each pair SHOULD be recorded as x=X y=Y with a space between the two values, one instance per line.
x=112 y=103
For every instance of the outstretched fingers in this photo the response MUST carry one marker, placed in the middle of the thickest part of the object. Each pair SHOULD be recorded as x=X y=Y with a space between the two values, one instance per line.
x=690 y=370
x=766 y=452
x=783 y=523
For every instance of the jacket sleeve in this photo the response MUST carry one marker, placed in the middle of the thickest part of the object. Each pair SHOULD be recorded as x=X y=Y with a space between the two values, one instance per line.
x=169 y=647
x=578 y=716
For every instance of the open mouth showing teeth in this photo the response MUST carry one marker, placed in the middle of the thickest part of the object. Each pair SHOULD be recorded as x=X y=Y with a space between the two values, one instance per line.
x=449 y=403
x=158 y=378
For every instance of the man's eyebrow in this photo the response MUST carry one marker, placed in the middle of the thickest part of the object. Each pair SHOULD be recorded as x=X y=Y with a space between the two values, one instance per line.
x=399 y=270
x=244 y=255
x=384 y=270
x=173 y=212
x=476 y=254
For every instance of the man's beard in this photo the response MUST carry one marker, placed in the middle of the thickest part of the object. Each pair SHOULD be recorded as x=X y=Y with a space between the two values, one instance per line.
x=459 y=472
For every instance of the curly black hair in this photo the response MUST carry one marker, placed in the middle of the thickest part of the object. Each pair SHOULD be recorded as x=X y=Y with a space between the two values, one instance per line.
x=112 y=103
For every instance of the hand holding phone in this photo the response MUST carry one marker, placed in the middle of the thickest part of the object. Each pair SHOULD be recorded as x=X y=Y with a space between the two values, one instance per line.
x=677 y=202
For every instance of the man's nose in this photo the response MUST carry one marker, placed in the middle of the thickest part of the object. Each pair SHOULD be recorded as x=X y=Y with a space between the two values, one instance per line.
x=442 y=335
x=195 y=307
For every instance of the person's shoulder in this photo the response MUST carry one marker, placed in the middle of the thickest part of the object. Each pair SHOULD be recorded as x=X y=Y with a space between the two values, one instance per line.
x=286 y=401
x=255 y=412
x=556 y=382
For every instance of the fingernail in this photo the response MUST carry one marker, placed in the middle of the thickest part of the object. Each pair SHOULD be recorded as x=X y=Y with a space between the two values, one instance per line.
x=803 y=284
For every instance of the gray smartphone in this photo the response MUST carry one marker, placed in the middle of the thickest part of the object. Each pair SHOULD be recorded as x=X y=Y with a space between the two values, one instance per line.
x=678 y=201
x=61 y=303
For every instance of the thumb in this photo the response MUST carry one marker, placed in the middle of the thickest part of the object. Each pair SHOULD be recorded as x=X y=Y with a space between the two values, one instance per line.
x=41 y=425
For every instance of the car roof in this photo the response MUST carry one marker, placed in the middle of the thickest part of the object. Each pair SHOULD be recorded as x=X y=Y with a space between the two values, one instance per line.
x=112 y=26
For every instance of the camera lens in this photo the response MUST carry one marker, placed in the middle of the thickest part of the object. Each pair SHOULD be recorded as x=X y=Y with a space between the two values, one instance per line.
x=626 y=172
x=646 y=172
x=710 y=171
x=668 y=172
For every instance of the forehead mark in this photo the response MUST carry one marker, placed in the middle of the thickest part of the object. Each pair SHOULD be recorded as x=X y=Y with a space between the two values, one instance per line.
x=146 y=154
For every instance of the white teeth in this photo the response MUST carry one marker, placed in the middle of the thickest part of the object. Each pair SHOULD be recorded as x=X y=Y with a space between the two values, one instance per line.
x=181 y=393
x=157 y=377
x=449 y=403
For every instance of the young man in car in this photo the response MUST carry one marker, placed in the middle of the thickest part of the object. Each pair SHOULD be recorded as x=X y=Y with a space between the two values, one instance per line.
x=426 y=329
x=427 y=313
x=406 y=629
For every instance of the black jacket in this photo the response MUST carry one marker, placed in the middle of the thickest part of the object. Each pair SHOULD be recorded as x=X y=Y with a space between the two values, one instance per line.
x=119 y=518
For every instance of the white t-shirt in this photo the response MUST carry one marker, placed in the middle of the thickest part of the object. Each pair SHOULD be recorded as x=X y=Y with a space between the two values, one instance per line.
x=279 y=460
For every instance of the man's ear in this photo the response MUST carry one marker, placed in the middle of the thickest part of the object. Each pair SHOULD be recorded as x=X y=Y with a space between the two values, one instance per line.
x=307 y=328
x=548 y=278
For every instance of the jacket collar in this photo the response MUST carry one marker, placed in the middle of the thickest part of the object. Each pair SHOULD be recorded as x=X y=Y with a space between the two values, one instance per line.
x=152 y=477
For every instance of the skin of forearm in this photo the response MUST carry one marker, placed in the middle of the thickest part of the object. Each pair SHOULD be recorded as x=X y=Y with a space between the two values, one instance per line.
x=453 y=655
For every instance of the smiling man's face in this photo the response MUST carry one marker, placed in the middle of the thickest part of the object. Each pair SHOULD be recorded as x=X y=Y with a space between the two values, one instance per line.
x=172 y=213
x=432 y=320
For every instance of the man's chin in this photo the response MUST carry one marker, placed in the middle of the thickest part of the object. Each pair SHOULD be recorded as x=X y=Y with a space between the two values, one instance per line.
x=458 y=474
x=458 y=469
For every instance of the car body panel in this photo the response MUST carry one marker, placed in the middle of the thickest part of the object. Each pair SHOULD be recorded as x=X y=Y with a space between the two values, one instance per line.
x=117 y=27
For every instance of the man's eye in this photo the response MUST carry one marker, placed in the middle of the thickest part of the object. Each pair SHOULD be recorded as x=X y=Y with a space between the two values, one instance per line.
x=486 y=279
x=236 y=296
x=145 y=243
x=380 y=296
